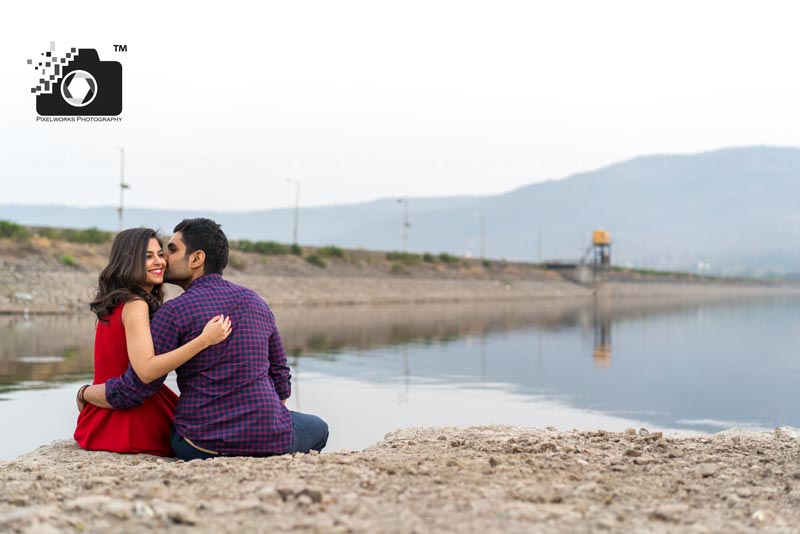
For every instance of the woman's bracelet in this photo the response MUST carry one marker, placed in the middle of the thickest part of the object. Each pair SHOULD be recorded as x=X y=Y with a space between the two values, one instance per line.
x=81 y=392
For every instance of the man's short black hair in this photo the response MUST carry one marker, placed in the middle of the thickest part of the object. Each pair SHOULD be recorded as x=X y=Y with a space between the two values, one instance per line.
x=206 y=235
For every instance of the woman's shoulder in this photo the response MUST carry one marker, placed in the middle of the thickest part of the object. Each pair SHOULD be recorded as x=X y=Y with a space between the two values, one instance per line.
x=134 y=307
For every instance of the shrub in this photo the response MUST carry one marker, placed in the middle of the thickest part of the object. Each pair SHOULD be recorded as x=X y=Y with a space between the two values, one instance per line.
x=90 y=236
x=13 y=230
x=331 y=252
x=404 y=257
x=444 y=257
x=48 y=232
x=267 y=248
x=487 y=263
x=316 y=259
x=270 y=248
x=245 y=246
x=296 y=250
x=399 y=269
x=68 y=260
x=429 y=258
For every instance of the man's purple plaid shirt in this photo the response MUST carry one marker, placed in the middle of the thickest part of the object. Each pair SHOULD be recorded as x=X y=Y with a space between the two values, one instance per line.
x=231 y=392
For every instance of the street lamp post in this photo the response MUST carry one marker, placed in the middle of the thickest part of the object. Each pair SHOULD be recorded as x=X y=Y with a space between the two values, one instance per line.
x=406 y=222
x=122 y=186
x=483 y=236
x=296 y=207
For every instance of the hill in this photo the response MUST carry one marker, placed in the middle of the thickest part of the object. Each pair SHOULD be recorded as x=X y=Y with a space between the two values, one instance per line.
x=730 y=212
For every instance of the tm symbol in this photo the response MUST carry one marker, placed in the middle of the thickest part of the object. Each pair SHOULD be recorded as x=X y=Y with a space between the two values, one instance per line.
x=120 y=48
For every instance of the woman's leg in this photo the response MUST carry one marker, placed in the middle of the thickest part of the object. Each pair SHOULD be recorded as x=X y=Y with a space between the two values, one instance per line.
x=309 y=432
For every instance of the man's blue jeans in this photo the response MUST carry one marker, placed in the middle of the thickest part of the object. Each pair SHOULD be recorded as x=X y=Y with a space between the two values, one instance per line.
x=309 y=432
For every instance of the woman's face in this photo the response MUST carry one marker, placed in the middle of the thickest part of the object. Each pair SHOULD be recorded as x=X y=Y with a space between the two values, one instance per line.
x=154 y=265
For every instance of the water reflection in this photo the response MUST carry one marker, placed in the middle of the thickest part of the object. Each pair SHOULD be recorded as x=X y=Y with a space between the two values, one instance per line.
x=370 y=369
x=43 y=349
x=602 y=339
x=700 y=367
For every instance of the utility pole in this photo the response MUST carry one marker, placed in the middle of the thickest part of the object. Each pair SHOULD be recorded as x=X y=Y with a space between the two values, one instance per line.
x=406 y=223
x=122 y=186
x=539 y=245
x=483 y=234
x=296 y=208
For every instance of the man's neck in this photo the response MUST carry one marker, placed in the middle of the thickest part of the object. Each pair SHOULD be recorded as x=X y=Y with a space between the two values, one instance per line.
x=184 y=284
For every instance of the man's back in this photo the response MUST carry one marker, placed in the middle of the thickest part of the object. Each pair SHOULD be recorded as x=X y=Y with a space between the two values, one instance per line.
x=231 y=393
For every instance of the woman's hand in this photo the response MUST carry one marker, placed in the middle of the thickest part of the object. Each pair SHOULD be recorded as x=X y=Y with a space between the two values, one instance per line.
x=79 y=399
x=217 y=330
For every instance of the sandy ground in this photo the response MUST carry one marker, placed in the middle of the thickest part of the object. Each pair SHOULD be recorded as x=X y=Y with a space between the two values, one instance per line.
x=481 y=479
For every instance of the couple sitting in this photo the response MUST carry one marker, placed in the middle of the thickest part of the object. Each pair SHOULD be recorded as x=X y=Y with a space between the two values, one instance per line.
x=222 y=340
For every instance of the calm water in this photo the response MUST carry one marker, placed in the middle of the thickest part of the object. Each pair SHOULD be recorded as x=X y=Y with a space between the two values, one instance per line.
x=368 y=370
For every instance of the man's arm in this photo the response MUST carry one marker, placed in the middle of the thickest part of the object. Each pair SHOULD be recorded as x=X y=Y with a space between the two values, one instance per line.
x=127 y=391
x=278 y=367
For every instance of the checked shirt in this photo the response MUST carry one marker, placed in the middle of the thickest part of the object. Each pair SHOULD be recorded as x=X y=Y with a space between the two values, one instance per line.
x=231 y=392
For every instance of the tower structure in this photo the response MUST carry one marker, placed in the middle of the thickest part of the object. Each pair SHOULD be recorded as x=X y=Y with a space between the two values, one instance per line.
x=601 y=249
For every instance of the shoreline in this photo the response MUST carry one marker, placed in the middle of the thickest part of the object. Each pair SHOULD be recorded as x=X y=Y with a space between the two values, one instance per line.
x=36 y=278
x=479 y=479
x=57 y=293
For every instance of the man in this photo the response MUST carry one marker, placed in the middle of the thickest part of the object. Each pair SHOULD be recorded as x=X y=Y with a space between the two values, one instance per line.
x=233 y=395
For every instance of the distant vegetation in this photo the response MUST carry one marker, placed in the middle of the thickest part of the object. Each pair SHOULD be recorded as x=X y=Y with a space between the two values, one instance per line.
x=12 y=230
x=401 y=260
x=444 y=257
x=68 y=260
x=21 y=233
x=90 y=235
x=266 y=248
x=404 y=257
x=655 y=272
x=331 y=251
x=317 y=260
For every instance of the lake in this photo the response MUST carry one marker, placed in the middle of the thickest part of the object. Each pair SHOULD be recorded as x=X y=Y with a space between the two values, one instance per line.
x=367 y=370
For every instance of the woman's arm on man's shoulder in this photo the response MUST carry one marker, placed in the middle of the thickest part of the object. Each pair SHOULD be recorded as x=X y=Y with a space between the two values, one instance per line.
x=141 y=352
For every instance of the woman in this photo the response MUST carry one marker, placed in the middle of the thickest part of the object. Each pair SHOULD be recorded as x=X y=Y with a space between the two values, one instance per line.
x=129 y=292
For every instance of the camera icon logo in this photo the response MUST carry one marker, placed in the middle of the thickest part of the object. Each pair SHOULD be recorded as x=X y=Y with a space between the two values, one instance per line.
x=79 y=88
x=77 y=84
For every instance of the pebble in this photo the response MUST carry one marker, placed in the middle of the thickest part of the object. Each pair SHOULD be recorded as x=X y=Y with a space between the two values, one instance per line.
x=174 y=512
x=759 y=516
x=708 y=470
x=670 y=512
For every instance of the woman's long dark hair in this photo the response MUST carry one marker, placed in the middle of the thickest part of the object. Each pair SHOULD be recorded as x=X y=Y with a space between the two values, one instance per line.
x=126 y=272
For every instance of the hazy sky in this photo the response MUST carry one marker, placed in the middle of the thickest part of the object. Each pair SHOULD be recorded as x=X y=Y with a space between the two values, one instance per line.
x=359 y=100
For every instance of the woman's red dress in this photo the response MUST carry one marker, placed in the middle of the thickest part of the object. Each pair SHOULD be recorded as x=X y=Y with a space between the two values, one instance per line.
x=144 y=429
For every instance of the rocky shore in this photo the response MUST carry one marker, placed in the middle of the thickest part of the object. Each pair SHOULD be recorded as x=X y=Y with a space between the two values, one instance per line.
x=481 y=480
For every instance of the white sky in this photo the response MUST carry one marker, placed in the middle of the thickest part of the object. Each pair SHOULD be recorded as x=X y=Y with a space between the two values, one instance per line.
x=360 y=100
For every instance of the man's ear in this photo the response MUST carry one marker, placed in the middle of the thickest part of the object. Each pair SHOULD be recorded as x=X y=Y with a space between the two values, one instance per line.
x=197 y=259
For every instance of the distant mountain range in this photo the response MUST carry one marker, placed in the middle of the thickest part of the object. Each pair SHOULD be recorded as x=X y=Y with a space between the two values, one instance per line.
x=730 y=211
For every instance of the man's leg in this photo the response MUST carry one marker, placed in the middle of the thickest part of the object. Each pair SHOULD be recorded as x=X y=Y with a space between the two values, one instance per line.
x=309 y=432
x=186 y=451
